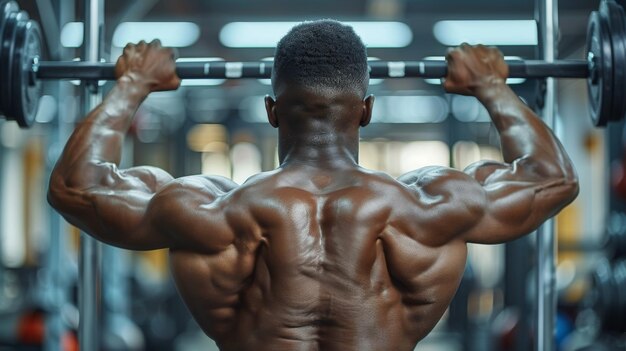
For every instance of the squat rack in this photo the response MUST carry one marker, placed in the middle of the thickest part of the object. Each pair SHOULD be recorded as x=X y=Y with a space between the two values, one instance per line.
x=89 y=283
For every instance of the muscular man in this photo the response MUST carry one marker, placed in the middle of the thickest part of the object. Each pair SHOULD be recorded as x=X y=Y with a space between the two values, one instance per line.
x=319 y=254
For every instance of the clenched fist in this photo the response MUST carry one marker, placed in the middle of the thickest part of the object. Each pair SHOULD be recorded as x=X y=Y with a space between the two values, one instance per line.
x=148 y=64
x=471 y=68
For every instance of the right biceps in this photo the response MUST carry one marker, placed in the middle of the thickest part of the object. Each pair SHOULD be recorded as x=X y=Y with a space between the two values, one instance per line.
x=505 y=214
x=481 y=171
x=519 y=198
x=515 y=208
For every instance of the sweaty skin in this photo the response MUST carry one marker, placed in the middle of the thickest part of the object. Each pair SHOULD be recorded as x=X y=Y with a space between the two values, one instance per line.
x=319 y=254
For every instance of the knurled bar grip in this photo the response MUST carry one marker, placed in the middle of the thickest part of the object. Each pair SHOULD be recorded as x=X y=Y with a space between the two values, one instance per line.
x=378 y=69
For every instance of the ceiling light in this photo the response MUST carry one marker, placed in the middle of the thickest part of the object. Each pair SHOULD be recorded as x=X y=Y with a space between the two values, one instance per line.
x=373 y=34
x=497 y=32
x=172 y=34
x=72 y=35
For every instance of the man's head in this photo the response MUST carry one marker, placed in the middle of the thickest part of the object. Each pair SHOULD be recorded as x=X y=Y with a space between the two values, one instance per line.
x=321 y=54
x=320 y=78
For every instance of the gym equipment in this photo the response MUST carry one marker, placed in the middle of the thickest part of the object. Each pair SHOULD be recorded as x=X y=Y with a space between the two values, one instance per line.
x=90 y=255
x=614 y=244
x=21 y=68
x=546 y=12
x=25 y=329
x=606 y=297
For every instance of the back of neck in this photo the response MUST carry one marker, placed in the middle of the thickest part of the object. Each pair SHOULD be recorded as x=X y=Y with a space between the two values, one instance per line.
x=323 y=149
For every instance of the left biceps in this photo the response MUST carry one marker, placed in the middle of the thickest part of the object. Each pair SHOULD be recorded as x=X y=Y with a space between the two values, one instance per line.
x=114 y=211
x=125 y=220
x=152 y=178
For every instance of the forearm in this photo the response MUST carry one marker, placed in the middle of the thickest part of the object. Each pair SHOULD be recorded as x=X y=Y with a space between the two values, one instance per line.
x=98 y=139
x=522 y=134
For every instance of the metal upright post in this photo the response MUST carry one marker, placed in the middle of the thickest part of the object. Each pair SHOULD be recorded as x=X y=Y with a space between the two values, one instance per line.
x=56 y=275
x=2 y=170
x=546 y=242
x=90 y=249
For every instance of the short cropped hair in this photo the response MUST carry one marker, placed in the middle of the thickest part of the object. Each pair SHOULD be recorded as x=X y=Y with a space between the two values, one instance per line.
x=323 y=53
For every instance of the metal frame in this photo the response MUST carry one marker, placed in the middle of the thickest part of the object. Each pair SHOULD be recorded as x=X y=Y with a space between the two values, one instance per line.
x=90 y=249
x=90 y=256
x=57 y=275
x=546 y=243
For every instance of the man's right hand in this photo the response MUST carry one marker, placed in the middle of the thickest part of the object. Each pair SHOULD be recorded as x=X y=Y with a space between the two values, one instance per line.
x=87 y=187
x=149 y=65
x=471 y=68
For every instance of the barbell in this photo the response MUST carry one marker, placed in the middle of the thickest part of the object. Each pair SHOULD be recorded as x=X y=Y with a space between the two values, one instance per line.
x=21 y=67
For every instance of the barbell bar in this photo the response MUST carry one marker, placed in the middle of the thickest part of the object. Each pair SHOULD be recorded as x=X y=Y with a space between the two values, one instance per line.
x=378 y=69
x=21 y=67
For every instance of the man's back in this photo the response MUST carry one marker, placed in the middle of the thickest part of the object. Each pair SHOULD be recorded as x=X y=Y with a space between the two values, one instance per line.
x=328 y=260
x=318 y=254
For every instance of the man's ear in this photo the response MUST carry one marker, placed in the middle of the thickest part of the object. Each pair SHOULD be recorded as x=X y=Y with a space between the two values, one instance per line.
x=270 y=107
x=368 y=105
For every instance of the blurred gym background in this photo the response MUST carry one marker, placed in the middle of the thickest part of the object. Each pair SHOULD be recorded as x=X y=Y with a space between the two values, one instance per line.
x=219 y=127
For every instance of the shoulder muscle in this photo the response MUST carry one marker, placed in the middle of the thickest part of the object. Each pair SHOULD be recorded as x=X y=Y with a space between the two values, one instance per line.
x=192 y=213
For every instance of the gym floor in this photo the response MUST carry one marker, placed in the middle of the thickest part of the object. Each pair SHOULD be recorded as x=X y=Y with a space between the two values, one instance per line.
x=219 y=127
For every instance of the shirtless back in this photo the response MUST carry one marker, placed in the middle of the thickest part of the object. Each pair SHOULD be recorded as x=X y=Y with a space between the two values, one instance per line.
x=327 y=258
x=318 y=254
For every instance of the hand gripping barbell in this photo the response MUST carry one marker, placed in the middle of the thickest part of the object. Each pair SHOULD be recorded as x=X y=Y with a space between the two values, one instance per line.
x=21 y=68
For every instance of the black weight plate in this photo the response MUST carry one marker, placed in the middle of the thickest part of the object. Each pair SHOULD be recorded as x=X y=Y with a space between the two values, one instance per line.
x=619 y=248
x=620 y=279
x=26 y=89
x=600 y=83
x=6 y=7
x=5 y=58
x=616 y=244
x=614 y=16
x=603 y=292
x=7 y=98
x=619 y=276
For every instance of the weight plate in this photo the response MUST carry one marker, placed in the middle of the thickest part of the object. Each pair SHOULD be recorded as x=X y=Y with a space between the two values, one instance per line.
x=6 y=7
x=616 y=243
x=600 y=82
x=619 y=275
x=21 y=18
x=613 y=14
x=26 y=89
x=5 y=59
x=604 y=294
